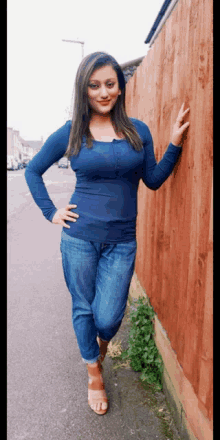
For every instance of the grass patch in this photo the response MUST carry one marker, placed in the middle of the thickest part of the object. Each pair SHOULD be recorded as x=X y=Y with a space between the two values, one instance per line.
x=142 y=351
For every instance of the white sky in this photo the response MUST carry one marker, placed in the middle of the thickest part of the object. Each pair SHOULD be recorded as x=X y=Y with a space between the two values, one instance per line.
x=41 y=68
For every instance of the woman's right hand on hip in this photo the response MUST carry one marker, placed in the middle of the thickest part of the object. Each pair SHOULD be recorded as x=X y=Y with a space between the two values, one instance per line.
x=65 y=214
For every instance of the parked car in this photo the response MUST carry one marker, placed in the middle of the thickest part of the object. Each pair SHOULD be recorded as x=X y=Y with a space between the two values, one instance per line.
x=9 y=163
x=12 y=163
x=15 y=165
x=25 y=163
x=63 y=163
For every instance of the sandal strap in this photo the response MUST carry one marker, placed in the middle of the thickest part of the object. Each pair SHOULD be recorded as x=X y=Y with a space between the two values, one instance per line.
x=96 y=381
x=96 y=385
x=95 y=370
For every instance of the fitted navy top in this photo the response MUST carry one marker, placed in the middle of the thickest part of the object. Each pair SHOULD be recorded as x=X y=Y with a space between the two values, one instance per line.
x=107 y=176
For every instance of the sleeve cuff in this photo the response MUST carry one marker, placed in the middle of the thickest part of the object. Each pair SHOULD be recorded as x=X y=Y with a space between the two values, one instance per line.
x=50 y=218
x=173 y=152
x=175 y=146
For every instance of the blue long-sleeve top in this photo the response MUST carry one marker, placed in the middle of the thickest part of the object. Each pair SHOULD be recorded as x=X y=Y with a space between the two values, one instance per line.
x=107 y=177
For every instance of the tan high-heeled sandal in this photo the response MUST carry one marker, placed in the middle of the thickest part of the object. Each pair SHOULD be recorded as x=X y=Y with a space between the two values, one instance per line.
x=97 y=398
x=103 y=347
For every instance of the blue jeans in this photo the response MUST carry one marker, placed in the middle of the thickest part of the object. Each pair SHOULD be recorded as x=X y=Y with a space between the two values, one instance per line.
x=98 y=277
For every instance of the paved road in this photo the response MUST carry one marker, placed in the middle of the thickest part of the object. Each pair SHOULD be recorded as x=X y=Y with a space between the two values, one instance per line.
x=47 y=381
x=57 y=180
x=41 y=344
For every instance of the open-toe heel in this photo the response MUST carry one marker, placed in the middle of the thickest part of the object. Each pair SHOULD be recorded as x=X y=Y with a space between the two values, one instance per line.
x=97 y=398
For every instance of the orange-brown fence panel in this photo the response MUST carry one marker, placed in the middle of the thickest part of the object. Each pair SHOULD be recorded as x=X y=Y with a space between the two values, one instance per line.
x=174 y=225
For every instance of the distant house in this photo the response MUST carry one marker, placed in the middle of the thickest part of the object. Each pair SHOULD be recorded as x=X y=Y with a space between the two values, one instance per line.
x=27 y=150
x=19 y=149
x=36 y=145
x=130 y=67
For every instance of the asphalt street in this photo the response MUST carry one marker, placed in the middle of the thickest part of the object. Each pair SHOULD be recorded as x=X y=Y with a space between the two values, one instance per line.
x=47 y=380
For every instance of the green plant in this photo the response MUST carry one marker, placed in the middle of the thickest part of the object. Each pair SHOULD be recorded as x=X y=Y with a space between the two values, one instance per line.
x=142 y=350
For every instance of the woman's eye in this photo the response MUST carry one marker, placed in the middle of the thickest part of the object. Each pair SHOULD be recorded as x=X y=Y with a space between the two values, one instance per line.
x=95 y=86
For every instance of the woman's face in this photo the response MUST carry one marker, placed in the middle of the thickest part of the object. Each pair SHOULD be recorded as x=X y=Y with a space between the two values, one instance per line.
x=103 y=90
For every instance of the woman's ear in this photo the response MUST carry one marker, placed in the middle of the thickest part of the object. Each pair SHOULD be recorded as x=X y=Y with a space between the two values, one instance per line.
x=119 y=92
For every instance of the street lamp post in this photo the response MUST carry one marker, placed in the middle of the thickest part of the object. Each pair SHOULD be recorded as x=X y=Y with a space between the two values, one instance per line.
x=82 y=44
x=76 y=41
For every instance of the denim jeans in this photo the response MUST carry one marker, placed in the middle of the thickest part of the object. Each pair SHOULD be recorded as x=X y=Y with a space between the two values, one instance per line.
x=98 y=277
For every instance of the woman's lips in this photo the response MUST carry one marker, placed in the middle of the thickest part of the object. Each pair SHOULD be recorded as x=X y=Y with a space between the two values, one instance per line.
x=104 y=102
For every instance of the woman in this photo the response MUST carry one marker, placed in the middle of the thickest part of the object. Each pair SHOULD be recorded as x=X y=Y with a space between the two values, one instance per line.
x=109 y=153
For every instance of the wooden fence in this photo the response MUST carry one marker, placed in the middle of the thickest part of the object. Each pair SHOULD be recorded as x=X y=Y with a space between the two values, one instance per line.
x=174 y=225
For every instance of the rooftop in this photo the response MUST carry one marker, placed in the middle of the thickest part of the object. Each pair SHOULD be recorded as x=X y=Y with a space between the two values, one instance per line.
x=166 y=8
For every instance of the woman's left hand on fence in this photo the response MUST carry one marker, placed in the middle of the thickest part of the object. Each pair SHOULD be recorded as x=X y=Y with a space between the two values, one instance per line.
x=178 y=128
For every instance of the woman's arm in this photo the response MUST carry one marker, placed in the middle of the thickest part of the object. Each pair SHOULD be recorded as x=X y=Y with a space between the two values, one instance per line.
x=53 y=149
x=154 y=174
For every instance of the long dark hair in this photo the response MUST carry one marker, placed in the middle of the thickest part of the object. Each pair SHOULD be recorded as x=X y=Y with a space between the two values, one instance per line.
x=82 y=111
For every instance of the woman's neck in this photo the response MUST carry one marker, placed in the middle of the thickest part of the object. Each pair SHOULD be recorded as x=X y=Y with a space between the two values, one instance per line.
x=101 y=128
x=97 y=120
